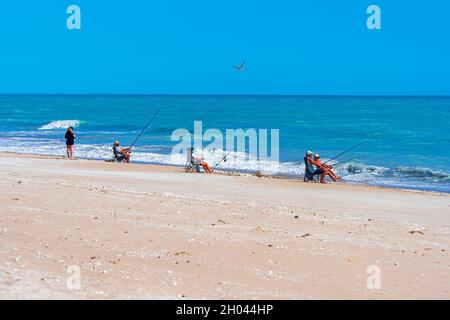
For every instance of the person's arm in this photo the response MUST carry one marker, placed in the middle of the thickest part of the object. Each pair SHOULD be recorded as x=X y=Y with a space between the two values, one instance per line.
x=125 y=150
x=324 y=165
x=201 y=159
x=318 y=164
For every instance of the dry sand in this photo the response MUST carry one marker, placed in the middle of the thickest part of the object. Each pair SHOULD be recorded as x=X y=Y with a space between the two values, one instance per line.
x=155 y=232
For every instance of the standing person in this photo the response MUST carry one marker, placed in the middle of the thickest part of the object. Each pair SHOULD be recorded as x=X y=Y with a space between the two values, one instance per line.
x=70 y=141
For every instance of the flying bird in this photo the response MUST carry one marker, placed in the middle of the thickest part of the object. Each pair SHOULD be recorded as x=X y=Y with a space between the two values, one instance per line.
x=241 y=67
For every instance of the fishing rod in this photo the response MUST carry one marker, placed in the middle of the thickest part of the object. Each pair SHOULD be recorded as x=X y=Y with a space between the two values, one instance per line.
x=354 y=147
x=337 y=164
x=223 y=159
x=148 y=123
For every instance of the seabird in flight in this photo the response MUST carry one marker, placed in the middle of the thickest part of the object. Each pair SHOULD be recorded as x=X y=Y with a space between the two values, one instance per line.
x=241 y=67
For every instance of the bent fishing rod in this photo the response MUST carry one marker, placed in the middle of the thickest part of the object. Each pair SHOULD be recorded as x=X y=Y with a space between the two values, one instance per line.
x=148 y=123
x=354 y=147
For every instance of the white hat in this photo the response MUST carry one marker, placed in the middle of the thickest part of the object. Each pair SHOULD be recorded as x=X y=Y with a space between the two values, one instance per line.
x=308 y=153
x=116 y=143
x=316 y=155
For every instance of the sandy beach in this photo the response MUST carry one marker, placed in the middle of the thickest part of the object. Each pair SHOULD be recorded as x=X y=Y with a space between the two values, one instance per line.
x=153 y=232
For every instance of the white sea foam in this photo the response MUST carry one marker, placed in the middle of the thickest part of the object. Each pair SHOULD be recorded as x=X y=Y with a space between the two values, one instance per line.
x=410 y=178
x=60 y=124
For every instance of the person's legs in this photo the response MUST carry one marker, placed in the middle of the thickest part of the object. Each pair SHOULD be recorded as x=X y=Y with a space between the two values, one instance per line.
x=69 y=151
x=334 y=176
x=322 y=177
x=327 y=172
x=127 y=158
x=331 y=176
x=322 y=173
x=206 y=167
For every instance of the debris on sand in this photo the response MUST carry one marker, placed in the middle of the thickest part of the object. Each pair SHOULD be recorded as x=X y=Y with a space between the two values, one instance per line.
x=181 y=253
x=306 y=235
x=259 y=229
x=416 y=231
x=221 y=221
x=259 y=174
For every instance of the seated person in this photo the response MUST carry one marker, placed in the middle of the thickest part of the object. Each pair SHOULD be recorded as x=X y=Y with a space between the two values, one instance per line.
x=312 y=168
x=201 y=161
x=328 y=169
x=123 y=154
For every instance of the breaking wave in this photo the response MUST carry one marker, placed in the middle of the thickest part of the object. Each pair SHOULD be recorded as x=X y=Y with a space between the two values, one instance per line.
x=416 y=173
x=60 y=124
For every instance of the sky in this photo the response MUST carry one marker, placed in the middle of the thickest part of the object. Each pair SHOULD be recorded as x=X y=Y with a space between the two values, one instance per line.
x=189 y=47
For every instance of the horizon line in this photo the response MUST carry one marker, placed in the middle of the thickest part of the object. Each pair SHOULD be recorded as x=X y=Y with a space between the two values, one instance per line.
x=227 y=94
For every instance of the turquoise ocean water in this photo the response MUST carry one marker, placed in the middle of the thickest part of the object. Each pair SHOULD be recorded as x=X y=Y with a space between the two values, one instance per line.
x=412 y=150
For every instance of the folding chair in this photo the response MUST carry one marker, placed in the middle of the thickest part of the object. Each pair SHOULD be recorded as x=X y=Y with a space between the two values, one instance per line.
x=116 y=158
x=191 y=165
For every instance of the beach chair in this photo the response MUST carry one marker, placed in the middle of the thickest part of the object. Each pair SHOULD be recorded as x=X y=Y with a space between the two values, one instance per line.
x=310 y=176
x=191 y=165
x=116 y=159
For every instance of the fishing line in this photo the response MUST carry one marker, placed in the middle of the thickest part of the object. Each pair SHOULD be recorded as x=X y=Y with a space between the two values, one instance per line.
x=148 y=123
x=342 y=162
x=354 y=147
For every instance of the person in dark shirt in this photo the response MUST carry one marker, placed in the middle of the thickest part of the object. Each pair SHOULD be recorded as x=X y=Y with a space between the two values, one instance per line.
x=121 y=154
x=70 y=141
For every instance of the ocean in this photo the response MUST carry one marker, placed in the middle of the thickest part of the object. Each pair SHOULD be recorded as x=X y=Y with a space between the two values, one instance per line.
x=412 y=150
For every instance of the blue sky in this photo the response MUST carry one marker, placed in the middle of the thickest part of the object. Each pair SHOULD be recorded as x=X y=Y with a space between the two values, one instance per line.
x=189 y=47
